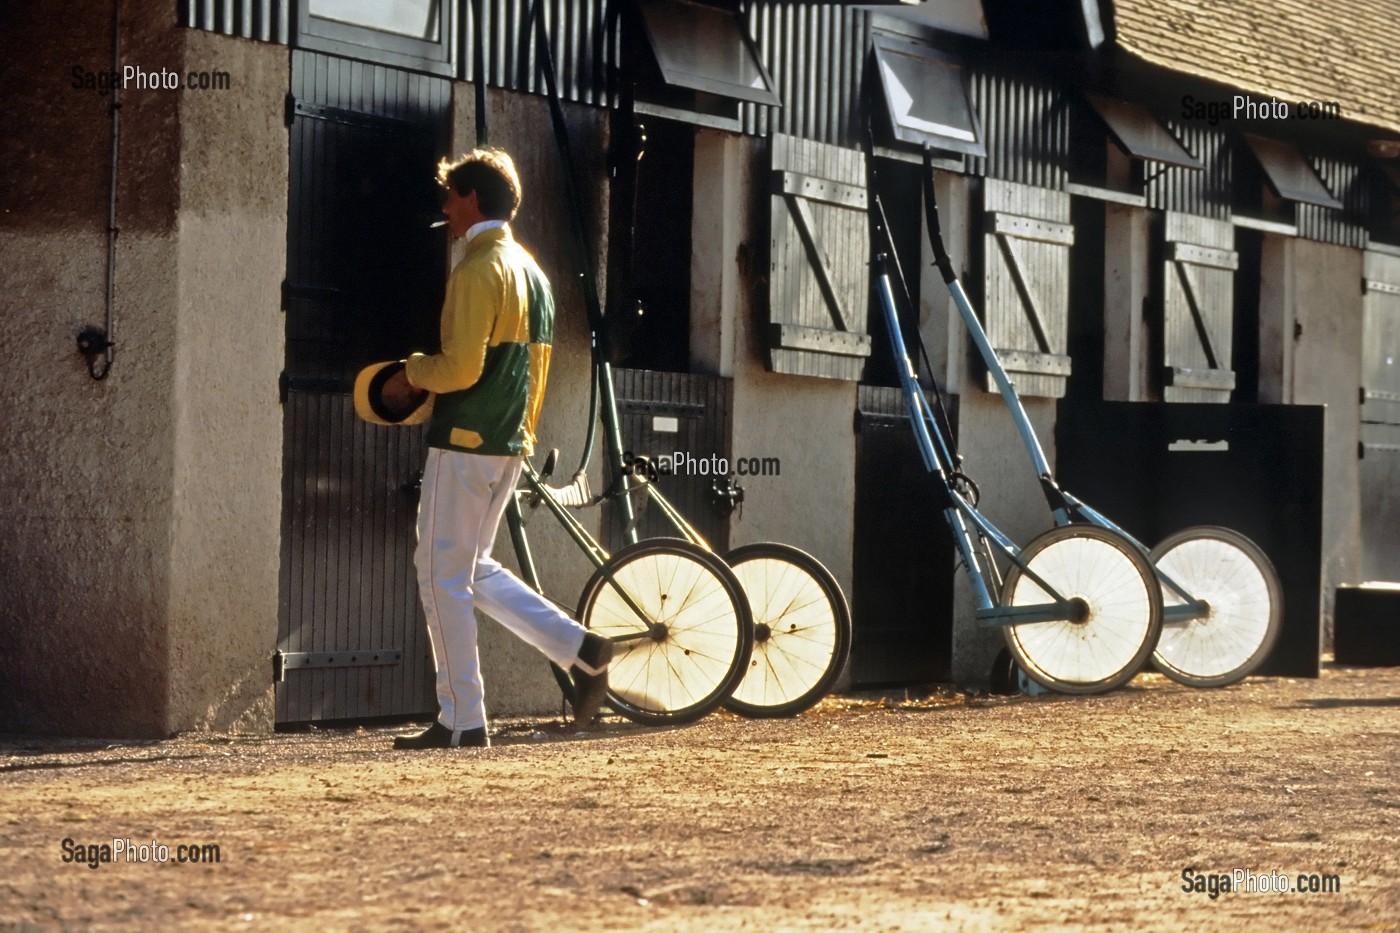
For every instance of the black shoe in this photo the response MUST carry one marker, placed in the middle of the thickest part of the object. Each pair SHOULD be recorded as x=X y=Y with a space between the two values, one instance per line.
x=591 y=678
x=439 y=736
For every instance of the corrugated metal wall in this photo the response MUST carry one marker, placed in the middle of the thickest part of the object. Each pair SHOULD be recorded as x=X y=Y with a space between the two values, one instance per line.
x=1205 y=193
x=582 y=47
x=577 y=32
x=264 y=20
x=815 y=55
x=1346 y=227
x=1026 y=128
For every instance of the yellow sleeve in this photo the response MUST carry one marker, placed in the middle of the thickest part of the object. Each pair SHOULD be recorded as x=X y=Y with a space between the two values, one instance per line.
x=469 y=312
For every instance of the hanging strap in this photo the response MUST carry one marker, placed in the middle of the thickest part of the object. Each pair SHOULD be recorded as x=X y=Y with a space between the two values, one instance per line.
x=479 y=73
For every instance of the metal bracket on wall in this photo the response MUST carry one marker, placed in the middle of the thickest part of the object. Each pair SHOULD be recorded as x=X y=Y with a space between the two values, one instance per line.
x=301 y=660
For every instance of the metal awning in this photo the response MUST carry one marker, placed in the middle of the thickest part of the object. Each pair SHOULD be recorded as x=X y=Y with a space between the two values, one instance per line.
x=927 y=97
x=965 y=17
x=417 y=19
x=1288 y=173
x=1139 y=134
x=705 y=48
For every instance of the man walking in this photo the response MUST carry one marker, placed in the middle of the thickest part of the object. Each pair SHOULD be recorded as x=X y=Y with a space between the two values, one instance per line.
x=489 y=382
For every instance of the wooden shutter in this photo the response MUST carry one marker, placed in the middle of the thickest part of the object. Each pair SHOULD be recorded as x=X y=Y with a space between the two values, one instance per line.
x=818 y=284
x=1380 y=417
x=1027 y=236
x=1380 y=372
x=1198 y=305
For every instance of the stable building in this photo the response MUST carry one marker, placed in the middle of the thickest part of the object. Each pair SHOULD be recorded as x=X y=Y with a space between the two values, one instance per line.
x=1180 y=223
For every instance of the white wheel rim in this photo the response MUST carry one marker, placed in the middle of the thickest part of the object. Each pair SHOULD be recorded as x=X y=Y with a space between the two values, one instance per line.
x=797 y=611
x=1119 y=618
x=702 y=639
x=1224 y=576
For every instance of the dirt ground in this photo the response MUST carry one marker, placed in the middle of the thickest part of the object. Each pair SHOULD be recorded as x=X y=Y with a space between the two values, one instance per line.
x=880 y=813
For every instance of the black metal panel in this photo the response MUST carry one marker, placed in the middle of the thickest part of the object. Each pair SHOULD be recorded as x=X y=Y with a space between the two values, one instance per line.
x=364 y=270
x=902 y=572
x=700 y=409
x=349 y=498
x=1155 y=468
x=264 y=20
x=1367 y=625
x=365 y=277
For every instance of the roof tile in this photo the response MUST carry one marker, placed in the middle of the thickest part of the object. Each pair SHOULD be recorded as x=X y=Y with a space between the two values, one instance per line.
x=1312 y=50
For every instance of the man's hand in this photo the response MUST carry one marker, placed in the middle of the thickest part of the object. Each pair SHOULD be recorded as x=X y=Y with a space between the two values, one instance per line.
x=399 y=394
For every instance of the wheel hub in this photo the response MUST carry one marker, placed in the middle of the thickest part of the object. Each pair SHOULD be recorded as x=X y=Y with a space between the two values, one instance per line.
x=762 y=632
x=1079 y=611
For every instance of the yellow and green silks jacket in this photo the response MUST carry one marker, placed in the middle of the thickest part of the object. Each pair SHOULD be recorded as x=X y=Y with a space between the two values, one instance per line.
x=497 y=331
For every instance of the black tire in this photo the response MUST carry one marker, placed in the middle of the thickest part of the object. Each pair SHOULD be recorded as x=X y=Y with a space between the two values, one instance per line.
x=1120 y=595
x=1234 y=576
x=802 y=630
x=703 y=633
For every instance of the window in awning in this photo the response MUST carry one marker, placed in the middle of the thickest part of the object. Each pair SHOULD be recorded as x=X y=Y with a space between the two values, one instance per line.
x=1118 y=146
x=1139 y=134
x=704 y=63
x=414 y=34
x=927 y=97
x=1288 y=174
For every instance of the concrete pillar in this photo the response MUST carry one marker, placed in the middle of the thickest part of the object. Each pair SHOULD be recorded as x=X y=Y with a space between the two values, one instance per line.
x=142 y=512
x=940 y=325
x=1127 y=284
x=716 y=236
x=1277 y=304
x=805 y=422
x=993 y=453
x=1327 y=371
x=230 y=257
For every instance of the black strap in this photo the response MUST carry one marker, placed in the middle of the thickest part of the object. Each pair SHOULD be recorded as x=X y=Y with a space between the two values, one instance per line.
x=479 y=72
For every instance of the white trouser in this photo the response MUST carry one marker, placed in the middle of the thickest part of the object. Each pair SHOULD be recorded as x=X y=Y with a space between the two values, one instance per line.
x=464 y=497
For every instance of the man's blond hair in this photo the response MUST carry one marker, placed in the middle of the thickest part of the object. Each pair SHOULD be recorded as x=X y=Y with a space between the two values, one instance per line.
x=491 y=174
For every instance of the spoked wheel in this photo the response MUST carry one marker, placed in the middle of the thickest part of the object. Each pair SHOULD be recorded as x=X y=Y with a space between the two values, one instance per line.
x=680 y=625
x=1244 y=606
x=802 y=630
x=1118 y=610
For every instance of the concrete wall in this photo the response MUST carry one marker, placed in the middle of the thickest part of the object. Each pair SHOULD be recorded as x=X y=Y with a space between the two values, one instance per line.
x=141 y=512
x=1326 y=370
x=231 y=256
x=804 y=422
x=993 y=454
